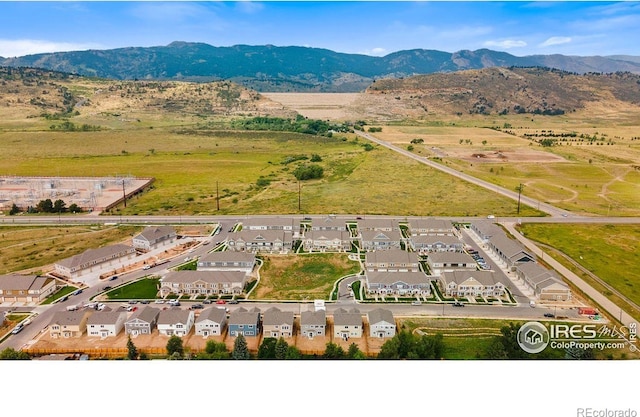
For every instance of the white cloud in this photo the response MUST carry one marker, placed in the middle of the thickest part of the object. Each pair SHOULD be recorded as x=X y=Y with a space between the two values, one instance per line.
x=374 y=52
x=21 y=47
x=505 y=44
x=556 y=40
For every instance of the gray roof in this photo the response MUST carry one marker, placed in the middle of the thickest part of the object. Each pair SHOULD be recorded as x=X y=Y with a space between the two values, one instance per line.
x=329 y=221
x=153 y=233
x=379 y=235
x=487 y=228
x=430 y=224
x=387 y=278
x=215 y=314
x=535 y=272
x=379 y=315
x=268 y=222
x=342 y=235
x=211 y=277
x=449 y=257
x=259 y=235
x=275 y=316
x=392 y=255
x=93 y=255
x=377 y=224
x=105 y=317
x=242 y=316
x=173 y=316
x=509 y=247
x=17 y=282
x=342 y=317
x=431 y=239
x=486 y=278
x=313 y=318
x=147 y=314
x=228 y=256
x=68 y=318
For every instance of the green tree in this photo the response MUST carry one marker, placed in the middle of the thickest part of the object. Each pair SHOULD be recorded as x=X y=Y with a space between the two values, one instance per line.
x=45 y=206
x=316 y=158
x=59 y=206
x=12 y=354
x=293 y=353
x=410 y=148
x=282 y=347
x=334 y=351
x=74 y=208
x=132 y=351
x=267 y=349
x=240 y=348
x=354 y=352
x=14 y=210
x=308 y=172
x=174 y=345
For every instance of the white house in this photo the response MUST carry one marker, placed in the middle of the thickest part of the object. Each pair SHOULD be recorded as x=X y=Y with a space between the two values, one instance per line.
x=106 y=323
x=381 y=323
x=175 y=322
x=211 y=322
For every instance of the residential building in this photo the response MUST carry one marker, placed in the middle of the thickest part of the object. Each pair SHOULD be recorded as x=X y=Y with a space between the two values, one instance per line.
x=347 y=323
x=398 y=283
x=95 y=260
x=285 y=224
x=245 y=322
x=142 y=321
x=472 y=283
x=227 y=261
x=25 y=288
x=327 y=241
x=432 y=243
x=381 y=323
x=211 y=322
x=329 y=223
x=392 y=260
x=175 y=322
x=153 y=237
x=68 y=324
x=273 y=241
x=509 y=250
x=381 y=225
x=373 y=240
x=277 y=323
x=431 y=227
x=545 y=284
x=202 y=282
x=485 y=230
x=105 y=324
x=440 y=262
x=313 y=323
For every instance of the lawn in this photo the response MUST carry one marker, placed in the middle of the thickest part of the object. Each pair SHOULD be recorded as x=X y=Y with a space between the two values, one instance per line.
x=297 y=277
x=31 y=249
x=144 y=289
x=608 y=251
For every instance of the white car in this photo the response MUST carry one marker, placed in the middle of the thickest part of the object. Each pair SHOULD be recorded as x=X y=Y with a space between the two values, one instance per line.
x=491 y=216
x=159 y=302
x=146 y=267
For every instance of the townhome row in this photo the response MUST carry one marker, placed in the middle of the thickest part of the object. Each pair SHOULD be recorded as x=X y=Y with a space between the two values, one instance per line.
x=545 y=284
x=215 y=321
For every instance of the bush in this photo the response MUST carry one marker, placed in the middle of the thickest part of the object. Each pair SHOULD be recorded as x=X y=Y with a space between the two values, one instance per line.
x=308 y=172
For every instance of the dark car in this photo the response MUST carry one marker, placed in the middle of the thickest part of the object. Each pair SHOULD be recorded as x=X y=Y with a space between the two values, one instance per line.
x=113 y=278
x=206 y=302
x=197 y=307
x=233 y=301
x=549 y=315
x=106 y=288
x=144 y=302
x=458 y=304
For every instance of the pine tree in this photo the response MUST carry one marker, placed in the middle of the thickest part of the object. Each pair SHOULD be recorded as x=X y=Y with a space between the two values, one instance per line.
x=132 y=351
x=281 y=349
x=240 y=348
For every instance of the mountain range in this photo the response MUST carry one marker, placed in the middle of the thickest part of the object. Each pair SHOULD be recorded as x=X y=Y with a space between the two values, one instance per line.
x=271 y=68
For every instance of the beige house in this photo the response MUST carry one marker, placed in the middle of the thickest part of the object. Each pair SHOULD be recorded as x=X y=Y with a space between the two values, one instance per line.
x=105 y=324
x=327 y=241
x=25 y=288
x=227 y=261
x=277 y=323
x=430 y=243
x=347 y=323
x=175 y=322
x=68 y=324
x=211 y=322
x=381 y=323
x=373 y=240
x=153 y=237
x=203 y=282
x=431 y=227
x=96 y=260
x=269 y=240
x=392 y=260
x=329 y=223
x=472 y=283
x=398 y=283
x=545 y=284
x=440 y=262
x=313 y=323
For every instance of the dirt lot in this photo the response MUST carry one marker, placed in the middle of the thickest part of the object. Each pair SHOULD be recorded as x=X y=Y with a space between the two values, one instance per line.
x=155 y=344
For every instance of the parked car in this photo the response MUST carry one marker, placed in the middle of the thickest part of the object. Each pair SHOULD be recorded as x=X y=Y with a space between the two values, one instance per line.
x=113 y=278
x=206 y=302
x=106 y=288
x=146 y=267
x=78 y=291
x=549 y=315
x=197 y=307
x=221 y=302
x=416 y=303
x=458 y=304
x=233 y=301
x=159 y=302
x=144 y=302
x=17 y=329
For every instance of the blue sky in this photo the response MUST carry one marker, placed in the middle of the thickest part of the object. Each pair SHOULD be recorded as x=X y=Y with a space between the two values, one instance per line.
x=373 y=28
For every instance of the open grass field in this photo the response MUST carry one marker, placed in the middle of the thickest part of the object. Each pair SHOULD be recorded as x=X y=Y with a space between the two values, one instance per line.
x=32 y=248
x=297 y=277
x=608 y=251
x=192 y=169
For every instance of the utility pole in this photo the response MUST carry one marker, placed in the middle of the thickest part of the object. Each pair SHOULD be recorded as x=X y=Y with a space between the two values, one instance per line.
x=124 y=195
x=299 y=197
x=217 y=196
x=519 y=193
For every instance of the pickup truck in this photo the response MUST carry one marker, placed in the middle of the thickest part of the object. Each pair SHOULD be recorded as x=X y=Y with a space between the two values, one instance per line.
x=72 y=308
